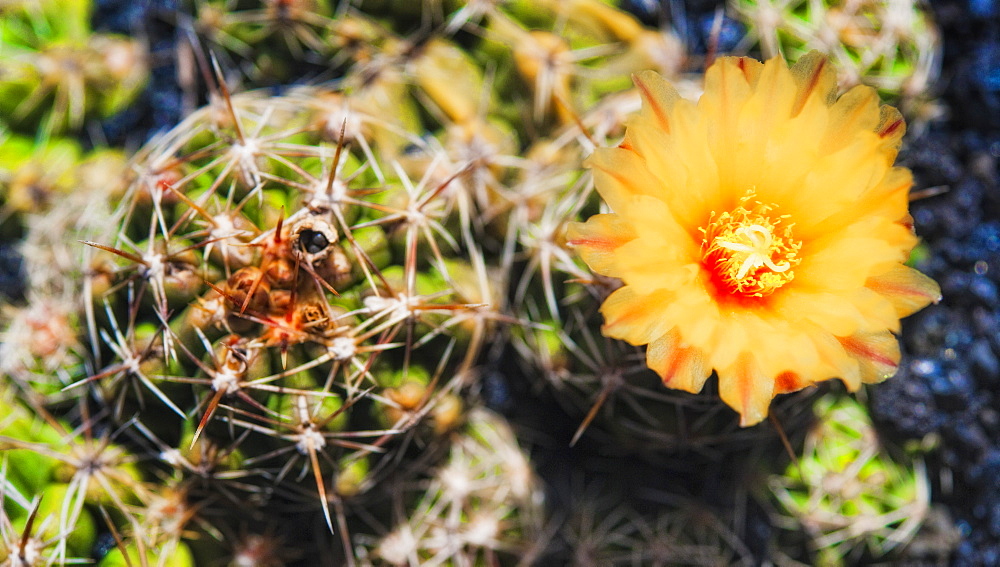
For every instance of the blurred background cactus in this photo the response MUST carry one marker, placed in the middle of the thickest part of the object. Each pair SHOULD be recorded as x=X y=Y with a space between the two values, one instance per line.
x=326 y=315
x=892 y=45
x=850 y=497
x=56 y=72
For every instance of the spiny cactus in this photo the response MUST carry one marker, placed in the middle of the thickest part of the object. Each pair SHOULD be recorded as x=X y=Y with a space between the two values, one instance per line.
x=295 y=290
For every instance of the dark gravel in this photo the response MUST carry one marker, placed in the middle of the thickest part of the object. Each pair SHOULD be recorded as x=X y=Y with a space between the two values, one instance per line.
x=948 y=384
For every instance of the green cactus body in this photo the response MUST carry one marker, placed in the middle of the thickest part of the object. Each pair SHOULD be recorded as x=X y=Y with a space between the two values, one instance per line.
x=179 y=556
x=56 y=72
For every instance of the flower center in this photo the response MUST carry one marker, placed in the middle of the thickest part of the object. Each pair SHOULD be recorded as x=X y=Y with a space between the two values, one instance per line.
x=749 y=251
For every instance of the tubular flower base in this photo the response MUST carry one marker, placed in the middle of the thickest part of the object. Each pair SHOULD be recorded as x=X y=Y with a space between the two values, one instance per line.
x=760 y=232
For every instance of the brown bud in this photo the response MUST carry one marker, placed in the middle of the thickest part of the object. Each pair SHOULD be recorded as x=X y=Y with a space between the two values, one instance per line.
x=281 y=272
x=313 y=316
x=242 y=282
x=281 y=300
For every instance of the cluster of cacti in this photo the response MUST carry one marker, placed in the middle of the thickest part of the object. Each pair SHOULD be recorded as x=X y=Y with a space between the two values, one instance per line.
x=270 y=325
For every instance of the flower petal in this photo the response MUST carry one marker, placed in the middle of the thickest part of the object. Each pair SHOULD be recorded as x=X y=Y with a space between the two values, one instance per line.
x=907 y=289
x=620 y=174
x=816 y=81
x=663 y=254
x=634 y=318
x=842 y=364
x=681 y=164
x=597 y=239
x=844 y=259
x=837 y=180
x=658 y=98
x=888 y=199
x=649 y=266
x=891 y=129
x=856 y=110
x=829 y=311
x=681 y=366
x=746 y=389
x=729 y=84
x=877 y=353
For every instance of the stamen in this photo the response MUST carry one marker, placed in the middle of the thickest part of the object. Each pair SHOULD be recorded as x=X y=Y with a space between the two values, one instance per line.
x=741 y=247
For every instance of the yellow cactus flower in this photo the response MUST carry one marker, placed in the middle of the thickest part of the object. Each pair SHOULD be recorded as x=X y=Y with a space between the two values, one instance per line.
x=759 y=232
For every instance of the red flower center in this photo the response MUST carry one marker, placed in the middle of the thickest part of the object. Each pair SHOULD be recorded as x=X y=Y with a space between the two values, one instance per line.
x=749 y=250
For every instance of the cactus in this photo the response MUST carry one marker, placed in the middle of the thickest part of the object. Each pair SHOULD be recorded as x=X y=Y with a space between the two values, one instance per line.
x=295 y=298
x=847 y=492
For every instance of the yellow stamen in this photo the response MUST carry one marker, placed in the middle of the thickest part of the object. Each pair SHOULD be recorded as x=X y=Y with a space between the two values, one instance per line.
x=749 y=250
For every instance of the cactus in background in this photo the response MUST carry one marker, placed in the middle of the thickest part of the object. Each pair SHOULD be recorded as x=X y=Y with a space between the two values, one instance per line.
x=55 y=72
x=55 y=194
x=621 y=519
x=851 y=497
x=55 y=483
x=38 y=176
x=259 y=38
x=483 y=504
x=892 y=45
